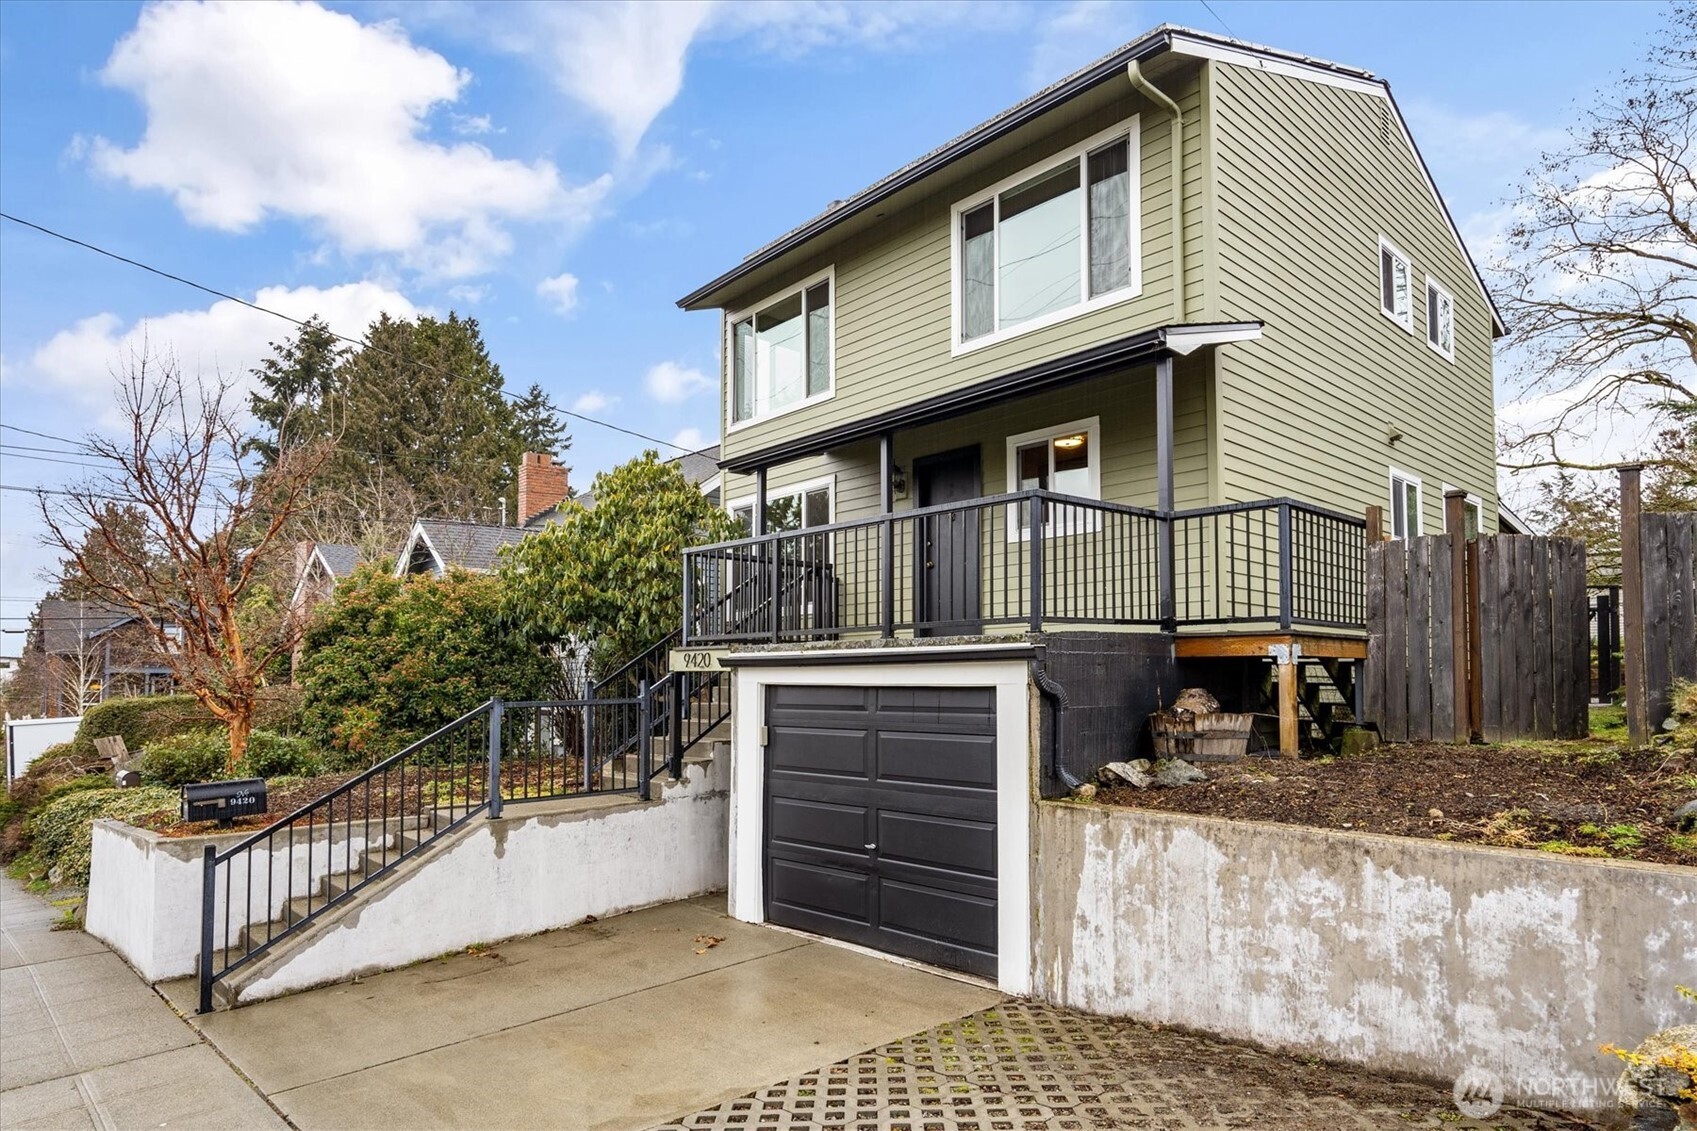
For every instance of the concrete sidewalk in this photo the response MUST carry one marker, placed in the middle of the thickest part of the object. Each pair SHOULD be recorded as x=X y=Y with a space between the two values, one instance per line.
x=623 y=1023
x=85 y=1043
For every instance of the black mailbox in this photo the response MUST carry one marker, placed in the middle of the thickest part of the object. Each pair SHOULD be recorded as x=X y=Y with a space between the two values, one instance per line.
x=223 y=801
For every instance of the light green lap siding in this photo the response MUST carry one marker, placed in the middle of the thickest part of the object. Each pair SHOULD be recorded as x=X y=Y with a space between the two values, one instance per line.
x=893 y=286
x=1309 y=177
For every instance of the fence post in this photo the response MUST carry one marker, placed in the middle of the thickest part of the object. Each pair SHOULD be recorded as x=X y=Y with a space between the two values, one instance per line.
x=1455 y=523
x=208 y=902
x=1475 y=647
x=644 y=739
x=496 y=713
x=1286 y=565
x=689 y=594
x=1632 y=605
x=1375 y=525
x=777 y=589
x=679 y=703
x=1034 y=536
x=887 y=578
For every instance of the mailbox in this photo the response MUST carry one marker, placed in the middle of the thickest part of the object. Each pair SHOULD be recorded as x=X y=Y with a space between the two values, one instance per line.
x=223 y=801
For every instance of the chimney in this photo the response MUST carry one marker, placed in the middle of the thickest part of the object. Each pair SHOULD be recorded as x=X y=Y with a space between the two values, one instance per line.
x=542 y=484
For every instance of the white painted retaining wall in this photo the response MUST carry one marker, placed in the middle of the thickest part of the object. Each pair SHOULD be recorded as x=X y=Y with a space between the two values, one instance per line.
x=1403 y=955
x=530 y=871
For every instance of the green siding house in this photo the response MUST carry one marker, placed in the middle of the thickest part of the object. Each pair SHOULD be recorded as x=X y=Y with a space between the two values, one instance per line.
x=1105 y=397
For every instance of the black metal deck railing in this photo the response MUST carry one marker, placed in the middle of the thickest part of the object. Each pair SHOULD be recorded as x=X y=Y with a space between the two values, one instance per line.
x=1033 y=558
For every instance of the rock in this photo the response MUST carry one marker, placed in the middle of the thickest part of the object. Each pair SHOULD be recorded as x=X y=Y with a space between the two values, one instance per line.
x=1685 y=817
x=1435 y=814
x=1650 y=1091
x=1170 y=772
x=1357 y=740
x=1197 y=701
x=1135 y=774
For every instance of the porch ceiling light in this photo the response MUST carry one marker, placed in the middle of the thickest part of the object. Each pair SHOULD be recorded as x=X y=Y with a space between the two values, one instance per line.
x=1074 y=441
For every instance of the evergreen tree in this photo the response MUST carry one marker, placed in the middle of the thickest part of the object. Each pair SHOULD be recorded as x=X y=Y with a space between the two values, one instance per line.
x=296 y=383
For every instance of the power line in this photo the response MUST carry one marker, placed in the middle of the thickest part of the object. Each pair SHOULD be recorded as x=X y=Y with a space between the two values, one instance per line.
x=360 y=342
x=1217 y=16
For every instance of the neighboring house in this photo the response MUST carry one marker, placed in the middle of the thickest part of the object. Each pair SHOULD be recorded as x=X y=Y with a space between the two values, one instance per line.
x=319 y=566
x=95 y=651
x=1090 y=404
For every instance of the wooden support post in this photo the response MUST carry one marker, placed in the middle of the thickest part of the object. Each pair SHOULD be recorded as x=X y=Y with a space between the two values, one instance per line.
x=1290 y=730
x=1375 y=525
x=1455 y=524
x=1632 y=605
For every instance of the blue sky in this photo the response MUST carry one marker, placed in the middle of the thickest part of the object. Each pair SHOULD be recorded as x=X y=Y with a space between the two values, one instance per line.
x=565 y=173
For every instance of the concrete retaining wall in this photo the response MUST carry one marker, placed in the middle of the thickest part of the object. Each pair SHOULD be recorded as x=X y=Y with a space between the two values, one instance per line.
x=1397 y=954
x=539 y=867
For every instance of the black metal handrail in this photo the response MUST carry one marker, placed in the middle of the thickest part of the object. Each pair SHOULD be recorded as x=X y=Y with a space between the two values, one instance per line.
x=1032 y=558
x=496 y=752
x=647 y=665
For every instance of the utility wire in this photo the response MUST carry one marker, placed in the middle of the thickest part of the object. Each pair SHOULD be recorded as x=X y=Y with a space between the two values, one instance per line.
x=363 y=344
x=1217 y=16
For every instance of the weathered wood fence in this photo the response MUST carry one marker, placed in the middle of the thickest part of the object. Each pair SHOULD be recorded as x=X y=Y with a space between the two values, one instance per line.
x=1489 y=637
x=1659 y=606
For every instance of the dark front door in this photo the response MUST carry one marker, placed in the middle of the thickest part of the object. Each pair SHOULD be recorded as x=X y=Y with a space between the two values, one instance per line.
x=947 y=548
x=881 y=819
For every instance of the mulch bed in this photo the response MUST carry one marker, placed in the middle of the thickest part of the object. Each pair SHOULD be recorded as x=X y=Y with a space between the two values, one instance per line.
x=1575 y=799
x=425 y=789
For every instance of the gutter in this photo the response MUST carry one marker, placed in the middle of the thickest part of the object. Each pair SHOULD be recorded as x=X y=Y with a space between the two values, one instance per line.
x=1175 y=164
x=1056 y=694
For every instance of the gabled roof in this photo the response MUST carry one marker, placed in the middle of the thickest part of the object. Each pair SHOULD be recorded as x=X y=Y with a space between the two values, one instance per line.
x=1165 y=38
x=338 y=560
x=67 y=625
x=449 y=545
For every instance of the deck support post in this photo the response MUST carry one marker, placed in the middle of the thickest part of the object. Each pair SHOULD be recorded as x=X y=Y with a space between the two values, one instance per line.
x=887 y=536
x=1164 y=490
x=1290 y=723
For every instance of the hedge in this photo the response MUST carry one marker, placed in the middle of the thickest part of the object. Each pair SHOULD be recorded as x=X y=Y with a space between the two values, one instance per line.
x=139 y=720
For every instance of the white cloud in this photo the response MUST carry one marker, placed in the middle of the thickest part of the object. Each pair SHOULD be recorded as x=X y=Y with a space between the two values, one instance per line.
x=469 y=294
x=670 y=382
x=690 y=439
x=227 y=339
x=593 y=401
x=1079 y=32
x=289 y=109
x=559 y=293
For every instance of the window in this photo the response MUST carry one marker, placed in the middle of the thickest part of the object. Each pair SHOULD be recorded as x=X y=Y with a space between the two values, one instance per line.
x=1396 y=289
x=781 y=355
x=1049 y=243
x=1472 y=510
x=1065 y=460
x=796 y=508
x=1405 y=505
x=1440 y=319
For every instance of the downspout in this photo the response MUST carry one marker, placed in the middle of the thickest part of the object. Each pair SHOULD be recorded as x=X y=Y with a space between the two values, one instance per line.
x=1175 y=140
x=1056 y=694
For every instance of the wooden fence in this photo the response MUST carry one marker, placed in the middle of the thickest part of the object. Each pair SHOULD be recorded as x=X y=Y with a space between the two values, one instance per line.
x=1489 y=637
x=1659 y=606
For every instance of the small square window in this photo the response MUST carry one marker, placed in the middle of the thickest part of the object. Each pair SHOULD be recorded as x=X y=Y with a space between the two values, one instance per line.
x=1396 y=285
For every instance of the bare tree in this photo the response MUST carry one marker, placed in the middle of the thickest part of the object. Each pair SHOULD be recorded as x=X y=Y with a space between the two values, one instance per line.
x=210 y=580
x=1599 y=274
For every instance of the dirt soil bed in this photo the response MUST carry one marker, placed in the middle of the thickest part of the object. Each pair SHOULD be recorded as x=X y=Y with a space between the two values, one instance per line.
x=1575 y=800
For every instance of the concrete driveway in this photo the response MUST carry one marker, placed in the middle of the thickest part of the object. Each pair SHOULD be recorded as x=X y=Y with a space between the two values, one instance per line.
x=624 y=1023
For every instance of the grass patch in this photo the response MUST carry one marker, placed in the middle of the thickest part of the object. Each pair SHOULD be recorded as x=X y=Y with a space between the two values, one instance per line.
x=1609 y=723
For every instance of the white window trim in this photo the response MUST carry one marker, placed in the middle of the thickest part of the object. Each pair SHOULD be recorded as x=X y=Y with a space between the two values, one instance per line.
x=1472 y=500
x=1433 y=285
x=829 y=482
x=1128 y=129
x=1406 y=321
x=1397 y=474
x=1018 y=530
x=727 y=347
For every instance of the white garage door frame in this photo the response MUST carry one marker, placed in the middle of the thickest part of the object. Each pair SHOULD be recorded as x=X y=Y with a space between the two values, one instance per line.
x=1011 y=682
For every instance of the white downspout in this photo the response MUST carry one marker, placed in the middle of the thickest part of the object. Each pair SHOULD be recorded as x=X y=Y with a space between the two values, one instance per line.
x=1176 y=139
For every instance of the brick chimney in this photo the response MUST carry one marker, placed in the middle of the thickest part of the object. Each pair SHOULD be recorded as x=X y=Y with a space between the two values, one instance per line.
x=542 y=484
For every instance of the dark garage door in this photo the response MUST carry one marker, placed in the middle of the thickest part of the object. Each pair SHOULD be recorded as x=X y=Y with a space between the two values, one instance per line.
x=881 y=819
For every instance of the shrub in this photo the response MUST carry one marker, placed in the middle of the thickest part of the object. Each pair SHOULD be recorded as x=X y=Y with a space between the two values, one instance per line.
x=139 y=720
x=280 y=710
x=48 y=776
x=391 y=660
x=271 y=755
x=183 y=758
x=62 y=832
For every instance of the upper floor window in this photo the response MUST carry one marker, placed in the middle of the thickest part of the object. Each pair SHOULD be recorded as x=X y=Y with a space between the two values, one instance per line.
x=781 y=355
x=1405 y=505
x=1396 y=286
x=1440 y=319
x=1050 y=242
